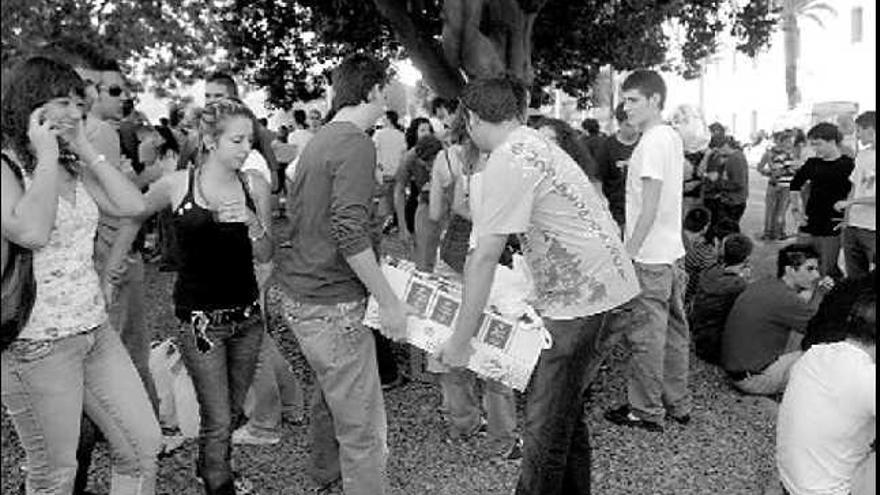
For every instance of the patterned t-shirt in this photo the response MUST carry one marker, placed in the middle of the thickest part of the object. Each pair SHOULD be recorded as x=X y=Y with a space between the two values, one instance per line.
x=572 y=246
x=69 y=298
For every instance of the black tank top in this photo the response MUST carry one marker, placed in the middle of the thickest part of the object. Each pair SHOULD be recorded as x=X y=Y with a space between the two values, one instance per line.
x=216 y=259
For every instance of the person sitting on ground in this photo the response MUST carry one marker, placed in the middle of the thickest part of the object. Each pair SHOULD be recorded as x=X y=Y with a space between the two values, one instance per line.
x=763 y=332
x=700 y=252
x=827 y=418
x=717 y=290
x=825 y=327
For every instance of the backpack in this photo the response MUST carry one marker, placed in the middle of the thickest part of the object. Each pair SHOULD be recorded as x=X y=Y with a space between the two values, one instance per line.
x=18 y=289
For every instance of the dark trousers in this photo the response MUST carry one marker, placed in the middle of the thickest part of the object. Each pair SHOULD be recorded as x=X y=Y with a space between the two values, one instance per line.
x=221 y=378
x=556 y=457
x=388 y=371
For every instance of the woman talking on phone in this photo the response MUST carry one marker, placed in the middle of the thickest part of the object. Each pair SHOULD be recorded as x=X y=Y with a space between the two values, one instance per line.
x=221 y=217
x=64 y=358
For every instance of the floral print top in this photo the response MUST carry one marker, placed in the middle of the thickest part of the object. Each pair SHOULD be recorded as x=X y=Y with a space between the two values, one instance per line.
x=571 y=243
x=69 y=299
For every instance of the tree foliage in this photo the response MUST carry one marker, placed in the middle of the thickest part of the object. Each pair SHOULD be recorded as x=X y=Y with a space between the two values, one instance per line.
x=566 y=41
x=175 y=39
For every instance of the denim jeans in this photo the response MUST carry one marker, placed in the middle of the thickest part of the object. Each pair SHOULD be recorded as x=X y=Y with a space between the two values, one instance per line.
x=128 y=315
x=348 y=429
x=221 y=377
x=464 y=409
x=776 y=203
x=427 y=239
x=45 y=387
x=829 y=252
x=556 y=440
x=660 y=343
x=859 y=250
x=275 y=391
x=128 y=318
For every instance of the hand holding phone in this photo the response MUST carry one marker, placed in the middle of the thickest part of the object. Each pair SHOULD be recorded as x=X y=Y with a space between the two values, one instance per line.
x=42 y=136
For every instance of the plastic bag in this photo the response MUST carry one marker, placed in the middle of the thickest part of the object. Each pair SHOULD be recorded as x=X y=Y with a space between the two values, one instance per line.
x=178 y=407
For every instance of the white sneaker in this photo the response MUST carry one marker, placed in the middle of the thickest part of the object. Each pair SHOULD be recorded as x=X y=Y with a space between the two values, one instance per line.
x=244 y=436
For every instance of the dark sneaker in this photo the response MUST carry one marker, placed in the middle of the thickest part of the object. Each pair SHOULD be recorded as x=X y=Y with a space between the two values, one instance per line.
x=683 y=420
x=623 y=416
x=332 y=488
x=400 y=380
x=514 y=452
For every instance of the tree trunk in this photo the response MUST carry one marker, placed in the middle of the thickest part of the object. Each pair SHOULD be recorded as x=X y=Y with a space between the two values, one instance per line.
x=443 y=77
x=480 y=38
x=791 y=34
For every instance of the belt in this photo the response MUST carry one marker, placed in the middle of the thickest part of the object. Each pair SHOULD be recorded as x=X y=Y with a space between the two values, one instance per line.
x=216 y=317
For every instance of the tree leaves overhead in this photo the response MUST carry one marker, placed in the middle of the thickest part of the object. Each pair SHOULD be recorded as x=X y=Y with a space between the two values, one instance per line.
x=571 y=41
x=177 y=39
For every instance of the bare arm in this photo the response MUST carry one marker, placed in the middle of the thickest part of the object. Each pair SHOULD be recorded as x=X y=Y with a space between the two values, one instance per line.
x=262 y=245
x=28 y=216
x=437 y=206
x=651 y=189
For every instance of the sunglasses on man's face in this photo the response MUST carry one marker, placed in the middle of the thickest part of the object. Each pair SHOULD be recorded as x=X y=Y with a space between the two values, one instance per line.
x=115 y=90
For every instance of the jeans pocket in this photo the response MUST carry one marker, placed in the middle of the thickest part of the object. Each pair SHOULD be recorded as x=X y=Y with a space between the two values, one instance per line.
x=28 y=351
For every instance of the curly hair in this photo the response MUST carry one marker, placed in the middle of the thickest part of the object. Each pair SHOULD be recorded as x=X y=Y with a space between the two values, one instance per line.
x=31 y=85
x=213 y=117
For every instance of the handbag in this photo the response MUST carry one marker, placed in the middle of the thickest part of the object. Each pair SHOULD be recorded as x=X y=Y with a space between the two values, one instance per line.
x=18 y=290
x=178 y=406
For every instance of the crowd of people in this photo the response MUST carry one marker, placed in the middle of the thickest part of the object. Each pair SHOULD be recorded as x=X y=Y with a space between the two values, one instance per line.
x=632 y=236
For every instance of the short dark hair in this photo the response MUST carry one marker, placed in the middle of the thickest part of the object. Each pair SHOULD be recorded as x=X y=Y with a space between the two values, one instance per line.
x=591 y=126
x=354 y=78
x=861 y=323
x=225 y=79
x=496 y=99
x=79 y=53
x=794 y=255
x=826 y=131
x=866 y=120
x=620 y=114
x=646 y=82
x=716 y=127
x=724 y=228
x=299 y=116
x=438 y=103
x=736 y=249
x=697 y=219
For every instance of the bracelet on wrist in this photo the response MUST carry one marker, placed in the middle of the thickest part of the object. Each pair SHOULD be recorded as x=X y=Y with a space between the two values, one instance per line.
x=255 y=238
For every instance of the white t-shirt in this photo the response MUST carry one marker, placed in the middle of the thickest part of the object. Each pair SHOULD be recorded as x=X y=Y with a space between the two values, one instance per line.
x=827 y=419
x=864 y=181
x=531 y=187
x=660 y=156
x=390 y=147
x=256 y=162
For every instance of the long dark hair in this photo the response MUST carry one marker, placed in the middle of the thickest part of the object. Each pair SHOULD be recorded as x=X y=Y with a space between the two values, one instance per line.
x=412 y=132
x=567 y=139
x=32 y=84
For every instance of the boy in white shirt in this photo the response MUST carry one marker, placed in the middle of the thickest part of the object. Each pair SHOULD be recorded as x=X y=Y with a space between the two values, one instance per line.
x=659 y=337
x=860 y=233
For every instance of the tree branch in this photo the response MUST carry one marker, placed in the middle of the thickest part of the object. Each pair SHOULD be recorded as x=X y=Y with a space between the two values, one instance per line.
x=424 y=51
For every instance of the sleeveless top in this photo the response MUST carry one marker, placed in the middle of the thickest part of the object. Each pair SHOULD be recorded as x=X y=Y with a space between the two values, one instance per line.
x=69 y=299
x=216 y=259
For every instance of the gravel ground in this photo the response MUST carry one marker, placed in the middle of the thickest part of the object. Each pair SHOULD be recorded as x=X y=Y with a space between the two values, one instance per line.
x=727 y=448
